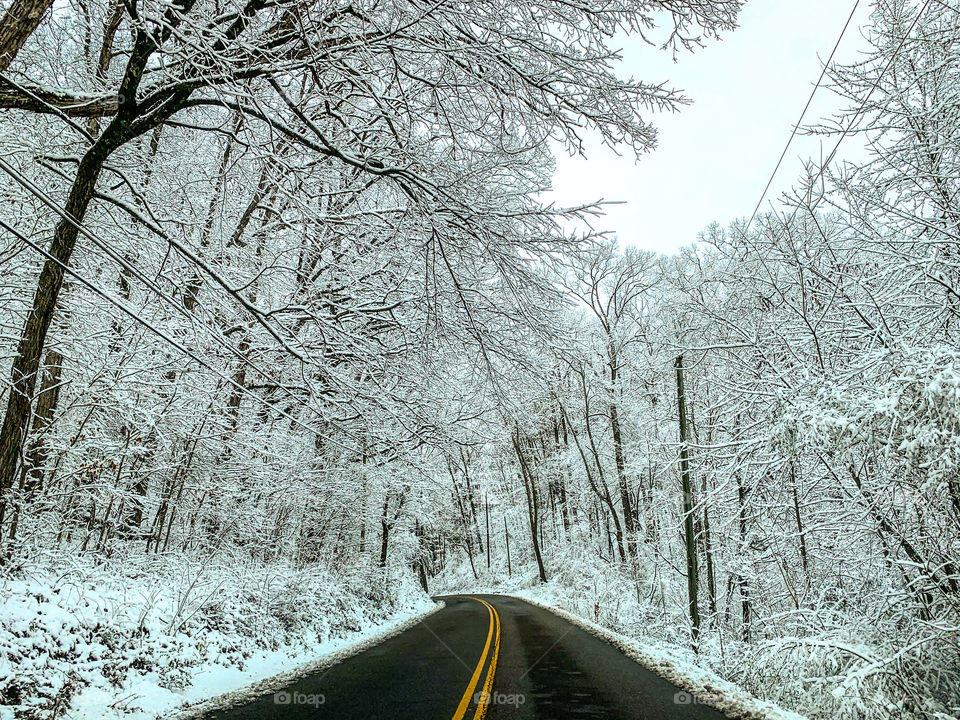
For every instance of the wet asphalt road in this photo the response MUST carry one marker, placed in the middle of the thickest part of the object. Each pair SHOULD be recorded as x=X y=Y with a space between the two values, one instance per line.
x=531 y=663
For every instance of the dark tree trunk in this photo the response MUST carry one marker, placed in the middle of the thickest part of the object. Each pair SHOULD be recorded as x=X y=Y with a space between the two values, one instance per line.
x=506 y=538
x=421 y=561
x=385 y=532
x=804 y=558
x=17 y=25
x=629 y=518
x=533 y=511
x=486 y=504
x=708 y=553
x=689 y=538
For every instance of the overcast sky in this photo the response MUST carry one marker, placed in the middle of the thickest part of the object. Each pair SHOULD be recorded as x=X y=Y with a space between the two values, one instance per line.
x=715 y=156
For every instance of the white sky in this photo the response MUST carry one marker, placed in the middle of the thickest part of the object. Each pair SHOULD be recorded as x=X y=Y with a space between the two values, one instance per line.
x=715 y=156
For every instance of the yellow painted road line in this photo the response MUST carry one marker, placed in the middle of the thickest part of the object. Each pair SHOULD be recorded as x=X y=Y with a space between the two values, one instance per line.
x=468 y=695
x=484 y=703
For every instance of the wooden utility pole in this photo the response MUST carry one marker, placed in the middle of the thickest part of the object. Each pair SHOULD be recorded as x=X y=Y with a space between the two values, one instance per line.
x=506 y=534
x=689 y=539
x=744 y=587
x=486 y=504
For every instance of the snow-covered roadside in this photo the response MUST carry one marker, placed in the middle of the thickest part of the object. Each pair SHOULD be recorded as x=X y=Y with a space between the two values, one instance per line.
x=335 y=652
x=142 y=637
x=672 y=664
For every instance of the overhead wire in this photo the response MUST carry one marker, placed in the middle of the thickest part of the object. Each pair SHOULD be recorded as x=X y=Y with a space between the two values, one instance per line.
x=160 y=333
x=796 y=126
x=856 y=116
x=849 y=127
x=120 y=260
x=117 y=258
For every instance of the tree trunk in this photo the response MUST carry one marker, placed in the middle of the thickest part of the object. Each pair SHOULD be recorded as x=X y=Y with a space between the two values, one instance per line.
x=506 y=538
x=486 y=505
x=421 y=557
x=363 y=502
x=110 y=26
x=17 y=25
x=619 y=458
x=472 y=502
x=689 y=539
x=601 y=489
x=47 y=400
x=192 y=290
x=23 y=374
x=741 y=580
x=384 y=537
x=708 y=553
x=804 y=558
x=533 y=511
x=467 y=532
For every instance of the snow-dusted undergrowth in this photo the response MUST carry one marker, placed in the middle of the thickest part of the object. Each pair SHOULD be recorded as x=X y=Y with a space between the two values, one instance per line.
x=334 y=652
x=137 y=637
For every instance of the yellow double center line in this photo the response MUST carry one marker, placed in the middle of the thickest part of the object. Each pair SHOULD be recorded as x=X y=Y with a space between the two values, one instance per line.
x=493 y=633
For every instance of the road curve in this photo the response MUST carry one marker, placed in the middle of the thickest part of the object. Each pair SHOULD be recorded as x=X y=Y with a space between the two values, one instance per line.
x=483 y=657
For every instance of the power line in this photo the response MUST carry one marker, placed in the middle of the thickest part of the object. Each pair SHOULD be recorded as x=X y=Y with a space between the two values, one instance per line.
x=854 y=119
x=39 y=193
x=111 y=253
x=806 y=107
x=863 y=105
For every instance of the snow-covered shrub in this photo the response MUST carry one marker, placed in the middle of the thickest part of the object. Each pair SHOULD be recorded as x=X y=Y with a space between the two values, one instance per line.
x=136 y=627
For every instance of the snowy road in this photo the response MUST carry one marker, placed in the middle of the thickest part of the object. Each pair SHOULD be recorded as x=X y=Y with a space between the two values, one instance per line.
x=531 y=663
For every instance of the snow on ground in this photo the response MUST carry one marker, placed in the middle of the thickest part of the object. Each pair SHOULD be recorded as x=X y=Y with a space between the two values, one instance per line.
x=329 y=654
x=139 y=637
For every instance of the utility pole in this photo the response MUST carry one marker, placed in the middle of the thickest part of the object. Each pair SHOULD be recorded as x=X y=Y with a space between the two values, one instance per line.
x=689 y=539
x=486 y=503
x=506 y=534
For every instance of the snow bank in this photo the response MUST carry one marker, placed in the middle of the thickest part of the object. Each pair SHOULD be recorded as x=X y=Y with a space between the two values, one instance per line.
x=335 y=652
x=139 y=638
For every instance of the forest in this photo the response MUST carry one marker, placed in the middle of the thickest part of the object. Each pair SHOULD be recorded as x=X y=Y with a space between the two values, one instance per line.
x=291 y=342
